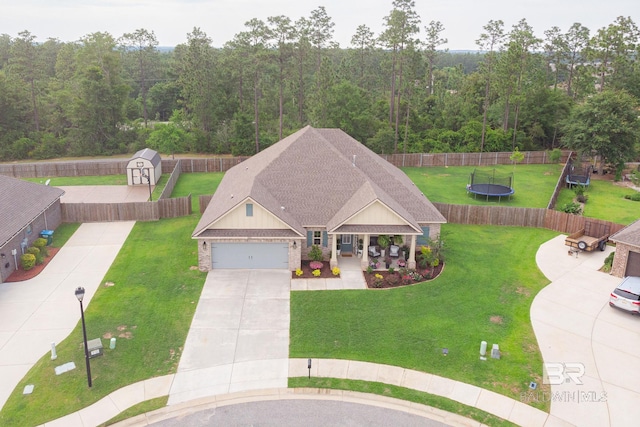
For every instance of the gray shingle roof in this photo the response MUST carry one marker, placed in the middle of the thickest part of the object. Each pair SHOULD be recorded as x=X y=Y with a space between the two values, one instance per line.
x=148 y=154
x=321 y=177
x=629 y=235
x=20 y=203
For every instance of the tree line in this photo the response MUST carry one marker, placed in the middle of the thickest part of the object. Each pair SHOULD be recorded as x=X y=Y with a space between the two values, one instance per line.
x=397 y=91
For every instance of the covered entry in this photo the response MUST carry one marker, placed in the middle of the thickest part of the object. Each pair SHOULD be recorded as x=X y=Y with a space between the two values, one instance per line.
x=249 y=255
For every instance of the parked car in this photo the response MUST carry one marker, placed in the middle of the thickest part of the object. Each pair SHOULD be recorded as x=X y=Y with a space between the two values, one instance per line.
x=626 y=295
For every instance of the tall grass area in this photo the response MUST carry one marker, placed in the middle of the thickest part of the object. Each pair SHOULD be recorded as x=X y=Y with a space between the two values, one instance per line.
x=484 y=293
x=606 y=202
x=148 y=309
x=533 y=184
x=198 y=184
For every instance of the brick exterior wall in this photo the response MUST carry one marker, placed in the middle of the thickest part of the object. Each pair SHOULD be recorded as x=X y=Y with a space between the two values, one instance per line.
x=620 y=259
x=53 y=220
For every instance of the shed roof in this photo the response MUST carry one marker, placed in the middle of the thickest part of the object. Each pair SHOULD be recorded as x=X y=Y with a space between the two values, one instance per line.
x=319 y=177
x=148 y=154
x=21 y=202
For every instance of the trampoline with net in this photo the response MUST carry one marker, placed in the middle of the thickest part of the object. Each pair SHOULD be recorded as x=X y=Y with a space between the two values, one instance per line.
x=578 y=176
x=490 y=184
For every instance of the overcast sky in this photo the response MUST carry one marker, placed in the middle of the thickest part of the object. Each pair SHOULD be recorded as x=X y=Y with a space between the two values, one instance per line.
x=171 y=20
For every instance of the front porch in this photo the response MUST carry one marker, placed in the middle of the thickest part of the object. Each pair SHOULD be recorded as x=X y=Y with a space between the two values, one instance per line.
x=354 y=250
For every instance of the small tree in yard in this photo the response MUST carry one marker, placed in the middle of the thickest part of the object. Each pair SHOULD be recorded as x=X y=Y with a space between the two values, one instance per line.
x=315 y=254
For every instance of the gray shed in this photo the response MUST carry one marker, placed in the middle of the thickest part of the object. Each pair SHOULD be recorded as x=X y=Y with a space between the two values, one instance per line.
x=145 y=167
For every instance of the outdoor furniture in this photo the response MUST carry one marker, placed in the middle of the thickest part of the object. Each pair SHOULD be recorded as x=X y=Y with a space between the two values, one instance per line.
x=394 y=251
x=373 y=251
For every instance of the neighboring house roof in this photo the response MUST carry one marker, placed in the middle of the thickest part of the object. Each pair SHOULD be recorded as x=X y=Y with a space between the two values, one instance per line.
x=629 y=235
x=319 y=178
x=21 y=202
x=148 y=154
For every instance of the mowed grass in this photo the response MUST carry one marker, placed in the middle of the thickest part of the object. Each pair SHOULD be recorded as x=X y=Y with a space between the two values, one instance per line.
x=148 y=309
x=533 y=184
x=606 y=202
x=197 y=184
x=484 y=293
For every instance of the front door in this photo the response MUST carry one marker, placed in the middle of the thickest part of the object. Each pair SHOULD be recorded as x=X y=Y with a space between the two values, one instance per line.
x=347 y=244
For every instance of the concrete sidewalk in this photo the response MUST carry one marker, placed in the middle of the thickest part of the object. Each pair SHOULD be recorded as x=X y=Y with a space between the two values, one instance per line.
x=36 y=312
x=574 y=324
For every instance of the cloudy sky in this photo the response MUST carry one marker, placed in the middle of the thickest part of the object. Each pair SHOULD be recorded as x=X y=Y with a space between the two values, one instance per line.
x=171 y=20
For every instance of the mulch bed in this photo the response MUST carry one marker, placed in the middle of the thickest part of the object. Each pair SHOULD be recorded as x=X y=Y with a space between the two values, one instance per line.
x=325 y=272
x=394 y=280
x=21 y=275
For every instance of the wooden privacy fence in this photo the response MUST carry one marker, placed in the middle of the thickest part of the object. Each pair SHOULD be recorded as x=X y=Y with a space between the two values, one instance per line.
x=560 y=183
x=521 y=217
x=222 y=164
x=171 y=183
x=131 y=211
x=203 y=201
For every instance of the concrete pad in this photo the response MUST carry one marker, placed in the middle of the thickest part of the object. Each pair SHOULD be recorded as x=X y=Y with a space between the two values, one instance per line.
x=189 y=385
x=71 y=420
x=158 y=386
x=208 y=348
x=128 y=396
x=334 y=284
x=332 y=368
x=101 y=411
x=564 y=317
x=259 y=313
x=104 y=193
x=218 y=312
x=441 y=386
x=390 y=375
x=298 y=368
x=527 y=416
x=364 y=371
x=553 y=421
x=495 y=403
x=299 y=284
x=259 y=371
x=416 y=380
x=614 y=366
x=15 y=314
x=615 y=337
x=316 y=285
x=260 y=344
x=624 y=405
x=571 y=403
x=465 y=393
x=352 y=279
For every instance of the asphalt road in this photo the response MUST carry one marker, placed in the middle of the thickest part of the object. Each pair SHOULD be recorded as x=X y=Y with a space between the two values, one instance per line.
x=303 y=413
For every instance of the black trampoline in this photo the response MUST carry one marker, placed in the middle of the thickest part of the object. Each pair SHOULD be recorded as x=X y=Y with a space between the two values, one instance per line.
x=488 y=184
x=577 y=176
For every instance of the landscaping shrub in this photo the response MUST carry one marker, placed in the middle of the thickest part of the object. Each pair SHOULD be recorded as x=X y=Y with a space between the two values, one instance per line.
x=634 y=197
x=635 y=178
x=36 y=253
x=571 y=208
x=608 y=262
x=41 y=244
x=298 y=272
x=28 y=261
x=369 y=269
x=581 y=195
x=393 y=279
x=335 y=271
x=316 y=273
x=315 y=254
x=378 y=281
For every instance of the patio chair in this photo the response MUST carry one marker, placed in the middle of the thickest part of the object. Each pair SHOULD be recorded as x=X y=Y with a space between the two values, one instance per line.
x=373 y=251
x=394 y=251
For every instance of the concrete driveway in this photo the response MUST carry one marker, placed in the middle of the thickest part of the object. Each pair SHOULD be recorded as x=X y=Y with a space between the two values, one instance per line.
x=239 y=335
x=573 y=323
x=42 y=310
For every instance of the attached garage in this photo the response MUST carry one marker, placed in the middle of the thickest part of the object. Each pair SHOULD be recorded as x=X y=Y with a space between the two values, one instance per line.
x=633 y=264
x=250 y=255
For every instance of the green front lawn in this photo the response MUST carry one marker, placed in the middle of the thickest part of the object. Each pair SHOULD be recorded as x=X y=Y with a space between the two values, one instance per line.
x=484 y=293
x=606 y=202
x=533 y=184
x=148 y=309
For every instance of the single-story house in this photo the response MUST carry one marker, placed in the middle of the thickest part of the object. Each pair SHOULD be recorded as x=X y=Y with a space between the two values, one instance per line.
x=626 y=261
x=26 y=209
x=144 y=168
x=314 y=187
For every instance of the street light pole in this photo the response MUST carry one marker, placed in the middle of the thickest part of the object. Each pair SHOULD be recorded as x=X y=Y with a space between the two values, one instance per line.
x=80 y=295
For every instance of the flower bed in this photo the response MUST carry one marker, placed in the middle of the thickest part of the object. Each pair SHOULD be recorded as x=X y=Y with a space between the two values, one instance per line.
x=307 y=271
x=402 y=277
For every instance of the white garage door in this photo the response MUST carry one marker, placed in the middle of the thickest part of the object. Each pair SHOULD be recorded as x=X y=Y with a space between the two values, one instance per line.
x=250 y=255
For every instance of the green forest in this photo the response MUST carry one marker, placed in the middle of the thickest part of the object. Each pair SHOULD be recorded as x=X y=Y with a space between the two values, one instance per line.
x=400 y=91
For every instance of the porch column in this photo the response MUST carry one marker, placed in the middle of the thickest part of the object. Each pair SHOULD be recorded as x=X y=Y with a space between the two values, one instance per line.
x=412 y=253
x=334 y=251
x=365 y=253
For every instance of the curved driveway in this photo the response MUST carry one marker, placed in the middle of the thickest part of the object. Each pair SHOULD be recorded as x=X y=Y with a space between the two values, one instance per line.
x=574 y=324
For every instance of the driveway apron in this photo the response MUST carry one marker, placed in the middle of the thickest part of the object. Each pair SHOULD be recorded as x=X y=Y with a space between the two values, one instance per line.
x=239 y=336
x=36 y=312
x=574 y=324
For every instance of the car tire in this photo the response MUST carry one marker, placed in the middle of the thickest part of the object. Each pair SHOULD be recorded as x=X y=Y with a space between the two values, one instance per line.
x=582 y=245
x=602 y=245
